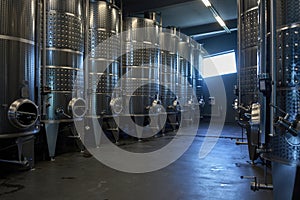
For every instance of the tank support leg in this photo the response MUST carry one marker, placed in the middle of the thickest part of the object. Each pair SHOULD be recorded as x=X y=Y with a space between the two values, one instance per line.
x=51 y=134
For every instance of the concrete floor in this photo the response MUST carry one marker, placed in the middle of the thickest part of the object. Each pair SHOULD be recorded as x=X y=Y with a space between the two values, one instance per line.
x=73 y=176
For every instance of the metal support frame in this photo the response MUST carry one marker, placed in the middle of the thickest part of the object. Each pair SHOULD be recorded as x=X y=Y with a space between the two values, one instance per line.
x=239 y=49
x=273 y=64
x=263 y=67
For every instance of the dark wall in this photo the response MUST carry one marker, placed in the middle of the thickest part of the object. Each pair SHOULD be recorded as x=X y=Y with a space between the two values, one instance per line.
x=214 y=45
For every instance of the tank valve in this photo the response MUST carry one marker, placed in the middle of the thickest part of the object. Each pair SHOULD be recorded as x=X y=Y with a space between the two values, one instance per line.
x=202 y=102
x=155 y=107
x=48 y=104
x=175 y=104
x=61 y=111
x=235 y=104
x=116 y=105
x=45 y=90
x=283 y=122
x=238 y=107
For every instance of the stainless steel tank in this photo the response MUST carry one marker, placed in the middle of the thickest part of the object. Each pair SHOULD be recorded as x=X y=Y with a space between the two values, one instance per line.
x=104 y=51
x=62 y=65
x=284 y=20
x=248 y=49
x=64 y=59
x=19 y=113
x=168 y=74
x=247 y=106
x=197 y=57
x=199 y=81
x=286 y=147
x=140 y=63
x=184 y=86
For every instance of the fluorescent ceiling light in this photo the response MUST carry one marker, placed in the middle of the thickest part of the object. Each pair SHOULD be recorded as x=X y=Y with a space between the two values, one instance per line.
x=206 y=3
x=216 y=15
x=220 y=21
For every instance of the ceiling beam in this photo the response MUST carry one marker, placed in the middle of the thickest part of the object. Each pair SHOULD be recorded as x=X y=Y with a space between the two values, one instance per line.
x=208 y=28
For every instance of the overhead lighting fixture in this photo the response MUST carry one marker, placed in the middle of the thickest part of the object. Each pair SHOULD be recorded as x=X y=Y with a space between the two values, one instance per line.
x=222 y=23
x=206 y=3
x=209 y=34
x=216 y=15
x=220 y=20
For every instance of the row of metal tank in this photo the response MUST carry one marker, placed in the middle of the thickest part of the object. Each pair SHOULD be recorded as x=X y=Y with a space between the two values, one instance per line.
x=64 y=61
x=269 y=88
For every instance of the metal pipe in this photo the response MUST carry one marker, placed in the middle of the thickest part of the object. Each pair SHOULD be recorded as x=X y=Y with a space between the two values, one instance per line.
x=273 y=62
x=262 y=36
x=44 y=54
x=239 y=2
x=121 y=49
x=262 y=66
x=38 y=56
x=86 y=51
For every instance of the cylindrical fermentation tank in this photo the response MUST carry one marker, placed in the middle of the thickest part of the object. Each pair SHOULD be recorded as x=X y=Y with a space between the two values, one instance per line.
x=62 y=62
x=168 y=73
x=249 y=102
x=184 y=86
x=140 y=63
x=197 y=65
x=248 y=48
x=286 y=147
x=62 y=57
x=104 y=52
x=284 y=51
x=18 y=67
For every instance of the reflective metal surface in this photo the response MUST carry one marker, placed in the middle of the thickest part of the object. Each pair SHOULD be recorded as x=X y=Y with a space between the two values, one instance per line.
x=77 y=106
x=168 y=74
x=184 y=86
x=285 y=146
x=104 y=50
x=18 y=111
x=62 y=74
x=140 y=63
x=197 y=57
x=248 y=48
x=23 y=113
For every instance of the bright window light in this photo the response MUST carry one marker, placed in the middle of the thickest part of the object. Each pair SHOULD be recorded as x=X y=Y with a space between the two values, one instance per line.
x=220 y=64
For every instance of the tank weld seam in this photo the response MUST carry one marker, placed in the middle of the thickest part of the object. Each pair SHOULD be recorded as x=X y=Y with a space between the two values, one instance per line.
x=64 y=50
x=249 y=10
x=61 y=67
x=289 y=26
x=6 y=37
x=67 y=13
